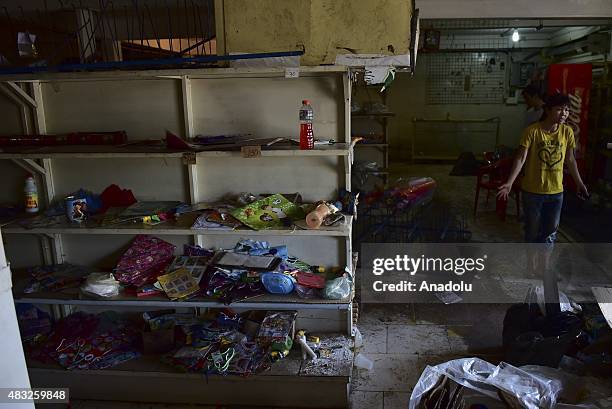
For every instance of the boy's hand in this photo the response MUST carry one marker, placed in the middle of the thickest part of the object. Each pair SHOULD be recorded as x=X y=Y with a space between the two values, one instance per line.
x=583 y=192
x=503 y=191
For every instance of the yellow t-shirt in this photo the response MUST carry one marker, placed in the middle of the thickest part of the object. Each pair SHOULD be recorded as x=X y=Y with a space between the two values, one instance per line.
x=543 y=171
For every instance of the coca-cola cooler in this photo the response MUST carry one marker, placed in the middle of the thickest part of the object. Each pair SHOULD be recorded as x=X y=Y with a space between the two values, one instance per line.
x=575 y=80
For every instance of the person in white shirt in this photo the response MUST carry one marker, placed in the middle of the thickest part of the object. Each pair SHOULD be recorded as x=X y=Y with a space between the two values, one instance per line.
x=535 y=104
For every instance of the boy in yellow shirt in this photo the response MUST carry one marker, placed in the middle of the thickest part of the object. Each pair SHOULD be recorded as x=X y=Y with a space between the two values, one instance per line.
x=544 y=148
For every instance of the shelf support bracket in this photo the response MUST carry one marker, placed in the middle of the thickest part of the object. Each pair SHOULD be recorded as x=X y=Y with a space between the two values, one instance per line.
x=187 y=106
x=23 y=108
x=40 y=121
x=192 y=163
x=32 y=163
x=21 y=93
x=29 y=165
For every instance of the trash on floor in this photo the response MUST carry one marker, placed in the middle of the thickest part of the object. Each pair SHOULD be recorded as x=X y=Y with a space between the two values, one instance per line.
x=516 y=387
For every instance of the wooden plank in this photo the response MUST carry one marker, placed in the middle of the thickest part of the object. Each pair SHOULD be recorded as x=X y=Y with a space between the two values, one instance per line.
x=321 y=383
x=338 y=149
x=220 y=26
x=348 y=161
x=161 y=387
x=173 y=73
x=112 y=152
x=20 y=92
x=265 y=301
x=187 y=106
x=40 y=121
x=179 y=227
x=23 y=108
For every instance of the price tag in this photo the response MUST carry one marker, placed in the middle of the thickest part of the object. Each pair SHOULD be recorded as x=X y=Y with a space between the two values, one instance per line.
x=251 y=151
x=189 y=158
x=292 y=72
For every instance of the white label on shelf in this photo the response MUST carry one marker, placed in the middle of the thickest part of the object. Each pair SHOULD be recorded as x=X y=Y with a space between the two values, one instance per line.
x=292 y=72
x=250 y=151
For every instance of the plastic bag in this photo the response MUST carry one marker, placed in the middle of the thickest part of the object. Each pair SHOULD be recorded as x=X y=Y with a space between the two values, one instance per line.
x=102 y=284
x=533 y=392
x=535 y=295
x=576 y=389
x=363 y=362
x=338 y=288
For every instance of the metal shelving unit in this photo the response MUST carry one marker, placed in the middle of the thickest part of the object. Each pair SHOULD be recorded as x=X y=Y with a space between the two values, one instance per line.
x=198 y=177
x=382 y=119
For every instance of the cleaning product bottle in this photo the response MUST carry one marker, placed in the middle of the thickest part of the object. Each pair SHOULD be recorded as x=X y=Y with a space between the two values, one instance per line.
x=31 y=195
x=306 y=117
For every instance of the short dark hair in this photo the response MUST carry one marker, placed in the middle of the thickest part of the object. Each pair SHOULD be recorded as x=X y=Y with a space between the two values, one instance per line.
x=556 y=99
x=532 y=90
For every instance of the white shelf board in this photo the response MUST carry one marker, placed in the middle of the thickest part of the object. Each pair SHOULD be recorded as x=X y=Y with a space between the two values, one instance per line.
x=177 y=229
x=338 y=149
x=97 y=152
x=175 y=74
x=262 y=302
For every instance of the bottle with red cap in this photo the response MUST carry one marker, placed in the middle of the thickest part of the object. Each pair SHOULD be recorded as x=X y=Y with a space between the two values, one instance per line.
x=306 y=134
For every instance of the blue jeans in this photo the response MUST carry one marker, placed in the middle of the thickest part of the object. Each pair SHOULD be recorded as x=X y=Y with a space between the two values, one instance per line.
x=542 y=215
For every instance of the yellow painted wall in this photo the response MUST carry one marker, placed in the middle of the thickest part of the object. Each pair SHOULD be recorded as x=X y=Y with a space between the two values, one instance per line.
x=324 y=27
x=266 y=25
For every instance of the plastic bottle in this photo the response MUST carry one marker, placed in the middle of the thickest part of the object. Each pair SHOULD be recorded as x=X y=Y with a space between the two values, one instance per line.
x=306 y=117
x=31 y=195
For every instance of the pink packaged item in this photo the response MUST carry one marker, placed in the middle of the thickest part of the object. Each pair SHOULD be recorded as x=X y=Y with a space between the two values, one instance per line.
x=146 y=258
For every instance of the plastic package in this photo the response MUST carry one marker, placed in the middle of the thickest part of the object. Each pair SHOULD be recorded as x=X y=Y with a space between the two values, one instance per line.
x=307 y=292
x=535 y=295
x=145 y=259
x=101 y=284
x=358 y=338
x=315 y=218
x=277 y=283
x=531 y=391
x=338 y=288
x=363 y=362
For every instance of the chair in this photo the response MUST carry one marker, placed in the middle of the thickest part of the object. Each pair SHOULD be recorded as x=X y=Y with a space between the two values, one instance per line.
x=491 y=177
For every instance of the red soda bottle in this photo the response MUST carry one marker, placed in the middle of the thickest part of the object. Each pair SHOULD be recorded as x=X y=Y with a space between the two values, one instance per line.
x=306 y=135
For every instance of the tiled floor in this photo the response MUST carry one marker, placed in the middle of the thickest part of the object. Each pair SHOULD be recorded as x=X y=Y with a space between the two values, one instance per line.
x=402 y=340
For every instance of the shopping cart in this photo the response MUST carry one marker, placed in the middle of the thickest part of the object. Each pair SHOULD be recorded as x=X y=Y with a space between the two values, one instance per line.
x=406 y=213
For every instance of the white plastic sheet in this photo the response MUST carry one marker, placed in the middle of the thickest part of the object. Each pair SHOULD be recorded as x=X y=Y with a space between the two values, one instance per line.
x=101 y=284
x=535 y=295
